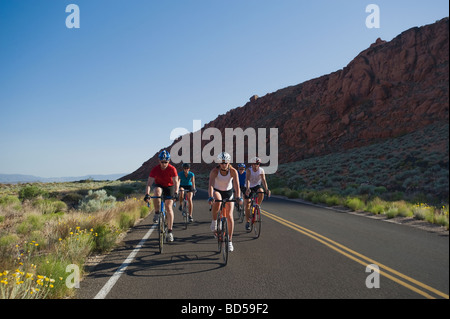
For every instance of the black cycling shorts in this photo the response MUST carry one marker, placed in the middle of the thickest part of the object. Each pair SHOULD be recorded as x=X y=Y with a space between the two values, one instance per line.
x=254 y=190
x=225 y=194
x=167 y=191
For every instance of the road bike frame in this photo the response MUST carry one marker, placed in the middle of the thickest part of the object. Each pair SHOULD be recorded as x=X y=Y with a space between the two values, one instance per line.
x=185 y=210
x=223 y=237
x=162 y=222
x=241 y=211
x=255 y=218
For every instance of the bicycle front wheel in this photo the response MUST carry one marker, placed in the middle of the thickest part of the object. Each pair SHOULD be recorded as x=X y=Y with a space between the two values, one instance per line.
x=161 y=226
x=241 y=212
x=257 y=222
x=219 y=235
x=225 y=241
x=185 y=214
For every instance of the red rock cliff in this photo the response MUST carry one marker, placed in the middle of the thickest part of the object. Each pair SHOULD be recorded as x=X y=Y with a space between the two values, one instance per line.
x=389 y=89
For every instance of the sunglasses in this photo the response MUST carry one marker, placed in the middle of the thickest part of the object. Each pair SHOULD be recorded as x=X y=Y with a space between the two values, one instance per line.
x=164 y=162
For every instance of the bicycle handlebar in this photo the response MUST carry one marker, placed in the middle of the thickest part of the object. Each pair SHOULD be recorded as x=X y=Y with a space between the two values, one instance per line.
x=226 y=200
x=162 y=197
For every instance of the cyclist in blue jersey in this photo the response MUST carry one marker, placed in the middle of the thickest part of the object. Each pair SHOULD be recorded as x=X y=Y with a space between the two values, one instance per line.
x=242 y=174
x=187 y=182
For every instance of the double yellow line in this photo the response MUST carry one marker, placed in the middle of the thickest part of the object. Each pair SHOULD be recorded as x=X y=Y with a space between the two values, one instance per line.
x=385 y=271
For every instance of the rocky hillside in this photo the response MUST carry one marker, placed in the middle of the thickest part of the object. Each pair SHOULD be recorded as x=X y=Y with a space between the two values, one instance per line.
x=390 y=89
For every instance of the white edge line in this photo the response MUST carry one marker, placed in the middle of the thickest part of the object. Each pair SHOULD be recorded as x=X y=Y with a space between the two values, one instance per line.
x=112 y=281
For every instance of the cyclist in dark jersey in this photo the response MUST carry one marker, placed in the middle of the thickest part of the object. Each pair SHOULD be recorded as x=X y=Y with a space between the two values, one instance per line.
x=187 y=182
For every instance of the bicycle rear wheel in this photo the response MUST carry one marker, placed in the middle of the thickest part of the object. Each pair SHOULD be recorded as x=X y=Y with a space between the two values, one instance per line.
x=161 y=227
x=257 y=222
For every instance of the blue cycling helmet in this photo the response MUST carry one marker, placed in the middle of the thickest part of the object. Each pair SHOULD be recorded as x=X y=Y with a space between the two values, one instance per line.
x=241 y=165
x=164 y=156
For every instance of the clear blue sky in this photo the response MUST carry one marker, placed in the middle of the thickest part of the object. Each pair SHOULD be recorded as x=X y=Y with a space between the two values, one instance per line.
x=104 y=98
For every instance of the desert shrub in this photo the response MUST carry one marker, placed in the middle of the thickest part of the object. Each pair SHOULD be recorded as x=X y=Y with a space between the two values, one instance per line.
x=143 y=211
x=355 y=203
x=9 y=201
x=423 y=212
x=379 y=190
x=392 y=211
x=105 y=237
x=72 y=199
x=275 y=181
x=50 y=206
x=31 y=192
x=403 y=208
x=293 y=194
x=333 y=200
x=97 y=200
x=126 y=221
x=376 y=206
x=31 y=223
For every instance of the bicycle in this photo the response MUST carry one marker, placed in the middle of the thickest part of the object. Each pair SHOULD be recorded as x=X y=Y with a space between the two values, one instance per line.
x=185 y=209
x=241 y=212
x=162 y=222
x=223 y=237
x=255 y=217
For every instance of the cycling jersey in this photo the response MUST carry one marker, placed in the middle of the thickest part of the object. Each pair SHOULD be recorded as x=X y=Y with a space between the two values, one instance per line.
x=186 y=181
x=242 y=178
x=255 y=177
x=223 y=183
x=163 y=177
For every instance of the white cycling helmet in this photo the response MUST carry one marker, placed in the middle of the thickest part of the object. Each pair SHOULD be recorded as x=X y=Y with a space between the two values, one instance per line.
x=255 y=160
x=223 y=157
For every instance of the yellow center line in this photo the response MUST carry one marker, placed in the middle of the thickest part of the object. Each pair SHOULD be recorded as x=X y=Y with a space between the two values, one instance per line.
x=363 y=260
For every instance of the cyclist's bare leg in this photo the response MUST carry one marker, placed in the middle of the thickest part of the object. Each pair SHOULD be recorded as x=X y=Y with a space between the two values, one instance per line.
x=190 y=203
x=157 y=191
x=181 y=196
x=230 y=220
x=247 y=203
x=169 y=213
x=216 y=206
x=260 y=196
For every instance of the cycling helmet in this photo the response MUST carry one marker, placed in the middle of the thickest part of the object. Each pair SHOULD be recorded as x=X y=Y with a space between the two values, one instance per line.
x=255 y=160
x=223 y=157
x=186 y=165
x=164 y=156
x=241 y=165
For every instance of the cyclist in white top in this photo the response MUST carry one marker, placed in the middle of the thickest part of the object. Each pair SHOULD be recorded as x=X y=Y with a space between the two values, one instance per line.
x=222 y=180
x=254 y=182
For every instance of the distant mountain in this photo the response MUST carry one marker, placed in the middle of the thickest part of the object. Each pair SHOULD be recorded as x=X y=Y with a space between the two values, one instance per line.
x=18 y=178
x=388 y=90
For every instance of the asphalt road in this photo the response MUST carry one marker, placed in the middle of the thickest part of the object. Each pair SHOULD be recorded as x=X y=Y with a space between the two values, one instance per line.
x=304 y=252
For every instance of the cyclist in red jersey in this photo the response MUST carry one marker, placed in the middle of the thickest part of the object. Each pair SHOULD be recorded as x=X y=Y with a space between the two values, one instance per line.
x=163 y=179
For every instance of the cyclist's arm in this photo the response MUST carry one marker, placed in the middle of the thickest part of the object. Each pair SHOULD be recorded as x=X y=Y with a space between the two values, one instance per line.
x=247 y=181
x=150 y=182
x=212 y=177
x=193 y=182
x=235 y=176
x=264 y=182
x=176 y=183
